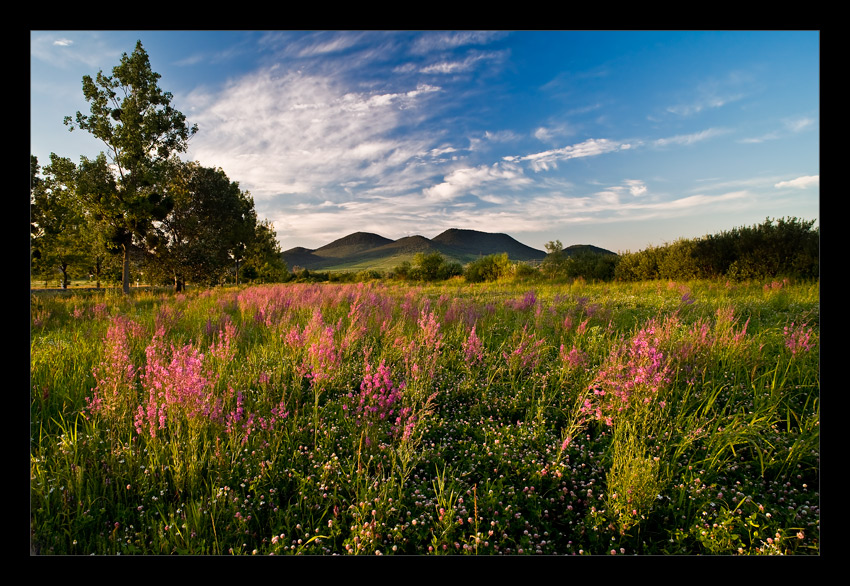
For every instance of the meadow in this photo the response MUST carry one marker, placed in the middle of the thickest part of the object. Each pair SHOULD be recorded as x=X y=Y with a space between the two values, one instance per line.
x=382 y=418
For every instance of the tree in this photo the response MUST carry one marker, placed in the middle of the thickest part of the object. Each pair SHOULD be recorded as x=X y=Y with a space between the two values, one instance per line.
x=56 y=221
x=488 y=268
x=554 y=265
x=134 y=118
x=590 y=265
x=211 y=222
x=263 y=258
x=428 y=265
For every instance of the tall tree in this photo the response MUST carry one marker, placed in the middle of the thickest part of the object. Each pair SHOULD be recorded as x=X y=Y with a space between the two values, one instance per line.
x=211 y=224
x=134 y=118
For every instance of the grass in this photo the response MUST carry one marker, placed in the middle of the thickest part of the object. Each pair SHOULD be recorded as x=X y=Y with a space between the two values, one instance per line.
x=493 y=419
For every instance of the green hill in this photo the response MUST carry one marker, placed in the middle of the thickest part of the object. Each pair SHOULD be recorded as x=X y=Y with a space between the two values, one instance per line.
x=362 y=250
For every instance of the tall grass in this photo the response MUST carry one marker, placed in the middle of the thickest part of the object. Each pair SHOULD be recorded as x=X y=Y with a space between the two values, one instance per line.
x=489 y=419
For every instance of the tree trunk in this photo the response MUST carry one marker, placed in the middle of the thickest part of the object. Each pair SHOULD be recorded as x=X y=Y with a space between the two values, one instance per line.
x=125 y=271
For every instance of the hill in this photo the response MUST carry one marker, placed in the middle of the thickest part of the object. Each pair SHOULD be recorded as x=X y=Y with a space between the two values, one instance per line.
x=472 y=244
x=579 y=248
x=351 y=245
x=362 y=250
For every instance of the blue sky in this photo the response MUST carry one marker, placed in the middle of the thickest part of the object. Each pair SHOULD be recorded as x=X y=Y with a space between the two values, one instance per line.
x=620 y=139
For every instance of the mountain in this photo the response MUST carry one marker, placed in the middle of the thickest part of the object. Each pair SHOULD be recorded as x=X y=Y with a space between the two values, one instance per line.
x=362 y=250
x=577 y=248
x=474 y=244
x=351 y=245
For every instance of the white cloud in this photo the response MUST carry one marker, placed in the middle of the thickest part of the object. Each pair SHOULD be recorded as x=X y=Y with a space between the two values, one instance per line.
x=289 y=132
x=469 y=63
x=798 y=124
x=789 y=125
x=546 y=160
x=552 y=133
x=636 y=187
x=469 y=179
x=442 y=41
x=688 y=139
x=714 y=94
x=800 y=182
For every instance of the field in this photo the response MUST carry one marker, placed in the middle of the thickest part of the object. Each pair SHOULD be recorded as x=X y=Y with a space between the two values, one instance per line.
x=378 y=419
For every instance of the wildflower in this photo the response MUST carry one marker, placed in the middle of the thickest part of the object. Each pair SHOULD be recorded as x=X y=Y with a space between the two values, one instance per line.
x=798 y=339
x=473 y=349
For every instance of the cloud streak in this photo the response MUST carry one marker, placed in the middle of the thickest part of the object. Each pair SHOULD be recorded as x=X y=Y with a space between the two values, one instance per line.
x=546 y=160
x=800 y=182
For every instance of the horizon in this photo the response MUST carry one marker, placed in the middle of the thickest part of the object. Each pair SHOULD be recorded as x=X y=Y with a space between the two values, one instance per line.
x=429 y=238
x=617 y=139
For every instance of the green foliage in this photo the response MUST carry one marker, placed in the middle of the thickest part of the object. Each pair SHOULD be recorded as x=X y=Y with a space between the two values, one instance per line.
x=209 y=228
x=263 y=256
x=498 y=454
x=431 y=266
x=787 y=247
x=134 y=118
x=175 y=221
x=525 y=272
x=554 y=265
x=591 y=266
x=57 y=223
x=488 y=268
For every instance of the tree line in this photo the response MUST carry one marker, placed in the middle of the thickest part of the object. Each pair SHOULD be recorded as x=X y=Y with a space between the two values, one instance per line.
x=776 y=248
x=787 y=247
x=137 y=207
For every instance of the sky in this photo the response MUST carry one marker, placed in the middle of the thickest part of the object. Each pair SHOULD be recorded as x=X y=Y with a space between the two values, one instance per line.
x=619 y=139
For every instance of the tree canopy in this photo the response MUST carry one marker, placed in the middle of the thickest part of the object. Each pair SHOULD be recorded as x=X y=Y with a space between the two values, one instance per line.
x=141 y=130
x=138 y=201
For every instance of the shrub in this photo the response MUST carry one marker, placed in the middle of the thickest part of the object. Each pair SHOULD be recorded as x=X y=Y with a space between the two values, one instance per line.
x=487 y=268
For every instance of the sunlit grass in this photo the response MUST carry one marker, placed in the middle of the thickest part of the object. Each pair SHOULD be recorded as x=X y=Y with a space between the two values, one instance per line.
x=495 y=418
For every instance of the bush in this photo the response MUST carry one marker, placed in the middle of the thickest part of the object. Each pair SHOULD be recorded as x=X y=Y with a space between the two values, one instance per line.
x=787 y=247
x=487 y=268
x=431 y=266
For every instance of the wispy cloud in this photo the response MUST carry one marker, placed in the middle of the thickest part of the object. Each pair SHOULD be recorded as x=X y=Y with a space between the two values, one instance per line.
x=63 y=51
x=789 y=126
x=442 y=41
x=468 y=63
x=800 y=182
x=553 y=132
x=692 y=138
x=546 y=160
x=715 y=93
x=469 y=180
x=290 y=132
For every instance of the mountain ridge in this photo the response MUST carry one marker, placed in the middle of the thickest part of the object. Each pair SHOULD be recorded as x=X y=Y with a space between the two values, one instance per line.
x=366 y=250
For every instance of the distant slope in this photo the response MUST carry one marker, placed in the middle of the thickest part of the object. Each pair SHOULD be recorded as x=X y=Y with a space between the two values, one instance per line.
x=301 y=257
x=362 y=250
x=473 y=244
x=578 y=248
x=351 y=245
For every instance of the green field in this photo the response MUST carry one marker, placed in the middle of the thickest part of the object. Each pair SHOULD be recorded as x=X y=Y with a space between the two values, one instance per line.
x=373 y=418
